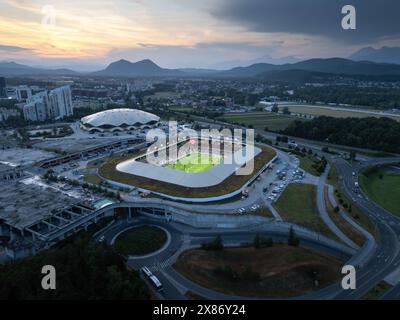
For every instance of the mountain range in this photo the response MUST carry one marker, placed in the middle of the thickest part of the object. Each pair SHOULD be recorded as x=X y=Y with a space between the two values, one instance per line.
x=384 y=54
x=16 y=69
x=314 y=68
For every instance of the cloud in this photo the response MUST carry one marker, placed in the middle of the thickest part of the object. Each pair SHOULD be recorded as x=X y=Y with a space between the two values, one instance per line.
x=376 y=19
x=5 y=48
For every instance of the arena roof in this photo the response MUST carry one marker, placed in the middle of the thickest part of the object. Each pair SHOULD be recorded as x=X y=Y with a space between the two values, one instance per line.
x=118 y=117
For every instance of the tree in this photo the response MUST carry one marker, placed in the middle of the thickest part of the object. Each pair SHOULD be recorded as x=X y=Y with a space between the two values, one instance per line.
x=336 y=209
x=275 y=108
x=293 y=240
x=286 y=110
x=215 y=245
x=257 y=241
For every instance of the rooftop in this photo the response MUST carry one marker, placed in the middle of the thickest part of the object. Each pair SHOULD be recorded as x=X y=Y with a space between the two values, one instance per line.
x=22 y=205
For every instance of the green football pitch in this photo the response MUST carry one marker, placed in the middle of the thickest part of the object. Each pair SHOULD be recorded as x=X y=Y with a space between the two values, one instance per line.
x=195 y=162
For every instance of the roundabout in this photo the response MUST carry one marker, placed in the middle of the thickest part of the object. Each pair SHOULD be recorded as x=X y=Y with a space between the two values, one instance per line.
x=141 y=241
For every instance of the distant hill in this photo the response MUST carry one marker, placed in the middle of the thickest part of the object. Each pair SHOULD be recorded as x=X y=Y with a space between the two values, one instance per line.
x=383 y=55
x=198 y=71
x=143 y=68
x=250 y=71
x=332 y=65
x=297 y=76
x=16 y=69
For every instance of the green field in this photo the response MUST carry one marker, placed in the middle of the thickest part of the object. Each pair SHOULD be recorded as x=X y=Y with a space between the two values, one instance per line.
x=140 y=240
x=336 y=112
x=383 y=187
x=260 y=120
x=298 y=205
x=195 y=162
x=307 y=162
x=92 y=178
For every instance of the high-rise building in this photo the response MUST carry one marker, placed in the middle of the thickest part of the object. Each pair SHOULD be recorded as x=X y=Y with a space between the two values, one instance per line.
x=23 y=93
x=3 y=92
x=61 y=97
x=54 y=104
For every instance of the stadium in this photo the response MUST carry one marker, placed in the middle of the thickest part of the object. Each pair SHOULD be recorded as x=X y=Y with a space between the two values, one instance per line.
x=192 y=175
x=118 y=120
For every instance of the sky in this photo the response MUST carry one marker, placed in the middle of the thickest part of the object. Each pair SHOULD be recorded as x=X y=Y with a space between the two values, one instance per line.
x=87 y=35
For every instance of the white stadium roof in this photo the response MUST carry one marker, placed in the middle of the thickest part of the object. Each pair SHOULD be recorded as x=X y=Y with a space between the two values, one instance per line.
x=118 y=117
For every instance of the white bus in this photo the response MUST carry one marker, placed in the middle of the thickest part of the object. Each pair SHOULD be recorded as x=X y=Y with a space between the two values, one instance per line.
x=156 y=283
x=146 y=272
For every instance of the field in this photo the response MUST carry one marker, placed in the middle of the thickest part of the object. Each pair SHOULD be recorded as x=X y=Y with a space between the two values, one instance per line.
x=276 y=272
x=336 y=112
x=163 y=95
x=140 y=240
x=92 y=178
x=195 y=162
x=259 y=120
x=383 y=187
x=297 y=204
x=307 y=162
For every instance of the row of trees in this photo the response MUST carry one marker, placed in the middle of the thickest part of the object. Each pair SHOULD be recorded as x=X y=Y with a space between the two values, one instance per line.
x=379 y=98
x=381 y=134
x=259 y=241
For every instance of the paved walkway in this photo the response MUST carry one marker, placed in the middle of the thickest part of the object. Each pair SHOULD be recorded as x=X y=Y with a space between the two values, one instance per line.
x=324 y=212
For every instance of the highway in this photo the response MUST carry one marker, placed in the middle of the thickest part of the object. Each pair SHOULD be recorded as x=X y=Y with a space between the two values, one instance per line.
x=386 y=258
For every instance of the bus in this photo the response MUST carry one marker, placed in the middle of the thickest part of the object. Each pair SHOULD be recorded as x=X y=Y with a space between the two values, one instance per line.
x=146 y=272
x=156 y=283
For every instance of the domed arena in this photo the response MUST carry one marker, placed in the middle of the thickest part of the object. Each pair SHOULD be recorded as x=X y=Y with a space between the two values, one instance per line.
x=118 y=120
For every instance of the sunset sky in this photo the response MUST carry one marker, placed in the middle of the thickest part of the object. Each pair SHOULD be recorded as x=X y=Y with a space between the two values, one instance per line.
x=188 y=33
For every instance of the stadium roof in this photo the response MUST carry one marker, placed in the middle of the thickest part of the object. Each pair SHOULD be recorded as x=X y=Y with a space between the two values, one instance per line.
x=118 y=117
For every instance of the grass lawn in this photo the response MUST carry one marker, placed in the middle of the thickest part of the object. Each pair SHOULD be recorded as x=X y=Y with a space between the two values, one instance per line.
x=378 y=291
x=92 y=178
x=385 y=191
x=298 y=205
x=327 y=111
x=276 y=272
x=261 y=120
x=306 y=163
x=140 y=240
x=356 y=213
x=342 y=224
x=230 y=184
x=195 y=162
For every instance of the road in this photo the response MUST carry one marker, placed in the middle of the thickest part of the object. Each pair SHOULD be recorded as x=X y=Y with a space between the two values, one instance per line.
x=183 y=237
x=386 y=258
